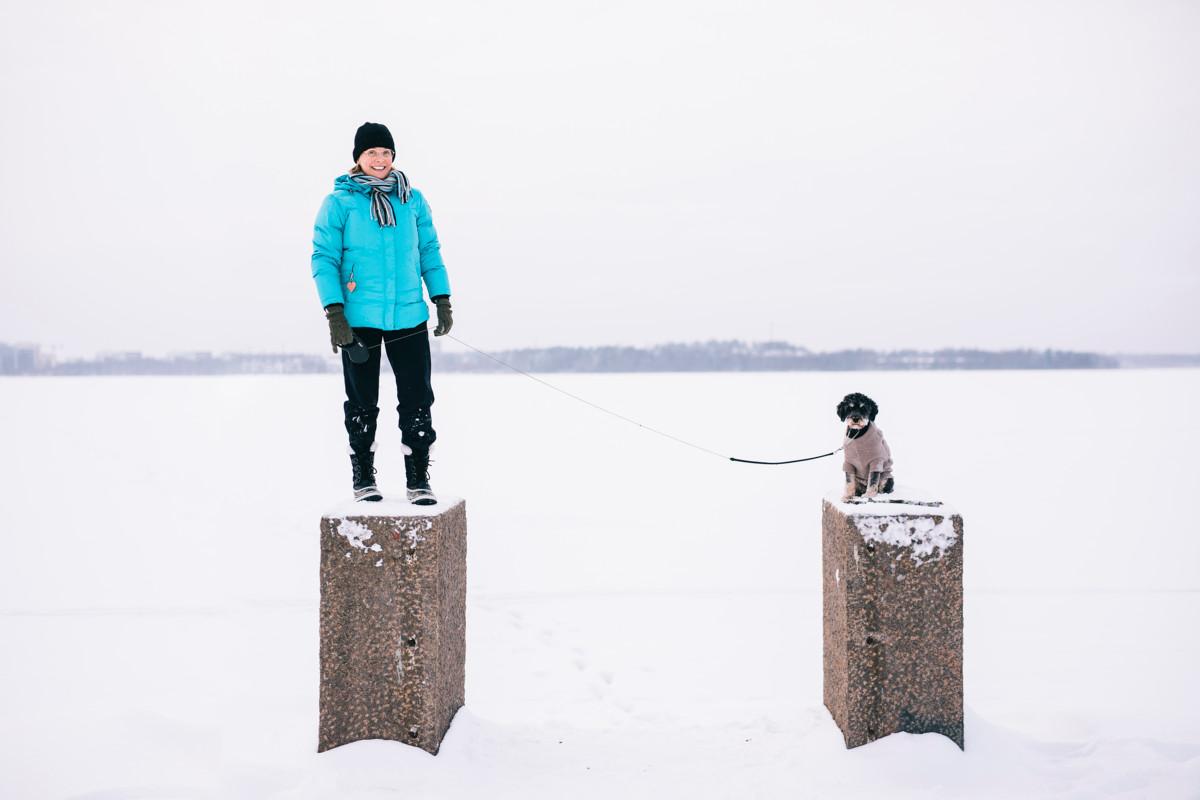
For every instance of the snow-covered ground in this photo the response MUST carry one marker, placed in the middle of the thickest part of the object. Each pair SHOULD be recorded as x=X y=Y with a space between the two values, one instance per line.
x=644 y=619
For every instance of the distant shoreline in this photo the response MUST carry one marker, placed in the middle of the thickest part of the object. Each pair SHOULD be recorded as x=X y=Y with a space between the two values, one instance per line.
x=715 y=356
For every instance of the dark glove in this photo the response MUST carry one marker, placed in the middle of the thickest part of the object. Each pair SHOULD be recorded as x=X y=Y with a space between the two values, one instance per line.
x=340 y=334
x=445 y=318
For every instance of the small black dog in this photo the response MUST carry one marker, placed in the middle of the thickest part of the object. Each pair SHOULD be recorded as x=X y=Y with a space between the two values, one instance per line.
x=868 y=463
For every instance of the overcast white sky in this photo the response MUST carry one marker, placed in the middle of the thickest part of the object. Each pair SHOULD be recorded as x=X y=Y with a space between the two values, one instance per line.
x=860 y=174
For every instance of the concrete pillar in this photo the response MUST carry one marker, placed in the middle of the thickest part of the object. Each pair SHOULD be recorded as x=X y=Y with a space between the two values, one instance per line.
x=393 y=622
x=893 y=619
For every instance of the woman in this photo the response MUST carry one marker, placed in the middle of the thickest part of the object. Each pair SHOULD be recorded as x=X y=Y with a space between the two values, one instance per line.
x=373 y=245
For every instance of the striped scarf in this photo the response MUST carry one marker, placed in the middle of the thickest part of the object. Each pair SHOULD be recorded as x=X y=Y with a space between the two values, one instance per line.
x=381 y=209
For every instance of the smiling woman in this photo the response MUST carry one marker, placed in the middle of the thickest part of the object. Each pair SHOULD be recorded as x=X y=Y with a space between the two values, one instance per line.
x=374 y=246
x=376 y=162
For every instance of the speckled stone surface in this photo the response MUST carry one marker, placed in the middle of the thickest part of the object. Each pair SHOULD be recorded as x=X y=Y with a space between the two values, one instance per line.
x=393 y=623
x=893 y=619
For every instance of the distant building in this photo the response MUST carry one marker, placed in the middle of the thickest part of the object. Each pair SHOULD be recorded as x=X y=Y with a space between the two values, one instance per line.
x=23 y=359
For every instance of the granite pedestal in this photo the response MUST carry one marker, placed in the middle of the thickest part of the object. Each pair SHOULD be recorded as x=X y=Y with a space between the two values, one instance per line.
x=893 y=619
x=393 y=622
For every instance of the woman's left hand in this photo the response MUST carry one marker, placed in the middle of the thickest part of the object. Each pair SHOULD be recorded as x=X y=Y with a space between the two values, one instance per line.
x=445 y=318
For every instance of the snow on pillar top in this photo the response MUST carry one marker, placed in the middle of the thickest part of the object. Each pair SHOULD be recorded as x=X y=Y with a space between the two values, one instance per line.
x=906 y=517
x=390 y=508
x=903 y=500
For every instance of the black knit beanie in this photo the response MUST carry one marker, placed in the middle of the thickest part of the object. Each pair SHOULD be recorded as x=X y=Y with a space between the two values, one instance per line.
x=372 y=134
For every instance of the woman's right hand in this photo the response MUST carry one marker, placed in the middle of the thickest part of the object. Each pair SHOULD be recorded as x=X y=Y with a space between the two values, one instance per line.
x=340 y=333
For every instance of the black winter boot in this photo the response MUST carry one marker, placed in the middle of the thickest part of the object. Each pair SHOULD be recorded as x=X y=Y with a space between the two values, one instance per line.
x=364 y=476
x=416 y=469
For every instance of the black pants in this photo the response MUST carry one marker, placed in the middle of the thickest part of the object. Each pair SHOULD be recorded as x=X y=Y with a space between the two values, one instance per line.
x=408 y=353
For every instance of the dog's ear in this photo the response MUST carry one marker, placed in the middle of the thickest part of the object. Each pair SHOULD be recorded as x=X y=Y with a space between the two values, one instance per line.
x=842 y=409
x=874 y=409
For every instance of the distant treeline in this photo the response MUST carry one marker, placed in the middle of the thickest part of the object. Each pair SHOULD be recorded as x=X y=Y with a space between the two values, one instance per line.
x=736 y=356
x=1165 y=360
x=31 y=360
x=716 y=356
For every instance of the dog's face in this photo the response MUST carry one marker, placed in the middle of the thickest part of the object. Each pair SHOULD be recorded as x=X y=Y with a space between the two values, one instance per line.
x=857 y=411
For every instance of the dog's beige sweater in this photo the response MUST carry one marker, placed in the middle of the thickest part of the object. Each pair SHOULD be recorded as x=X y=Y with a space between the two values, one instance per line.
x=866 y=454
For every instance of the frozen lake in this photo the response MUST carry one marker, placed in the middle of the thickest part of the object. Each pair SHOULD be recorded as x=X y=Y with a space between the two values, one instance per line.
x=643 y=617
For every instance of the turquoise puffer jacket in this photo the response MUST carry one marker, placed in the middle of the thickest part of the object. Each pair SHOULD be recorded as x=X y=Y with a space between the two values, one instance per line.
x=376 y=272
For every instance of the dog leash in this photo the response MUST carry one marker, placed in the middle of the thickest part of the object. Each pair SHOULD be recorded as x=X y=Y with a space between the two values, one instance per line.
x=793 y=461
x=600 y=408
